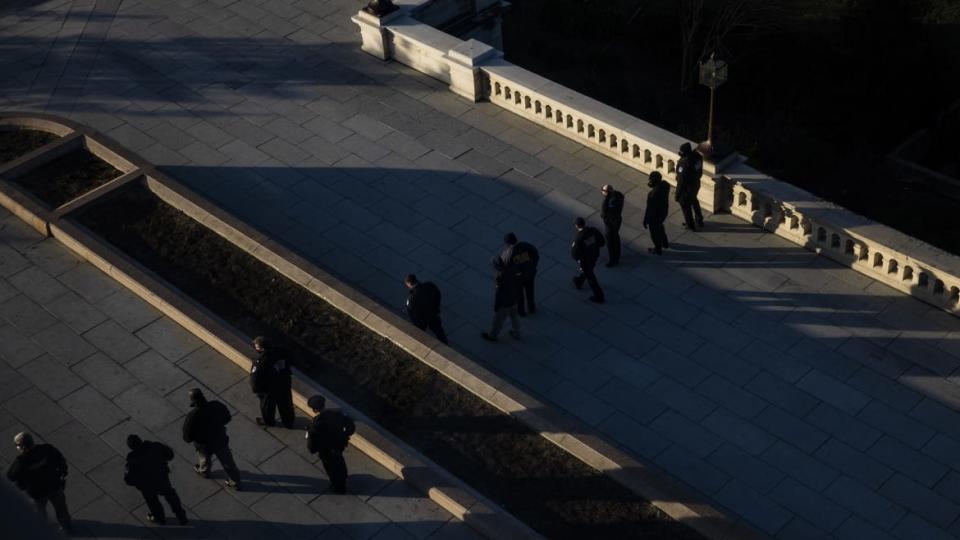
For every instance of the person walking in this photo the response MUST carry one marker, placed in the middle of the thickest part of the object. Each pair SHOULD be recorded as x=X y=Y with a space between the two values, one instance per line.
x=423 y=306
x=206 y=427
x=328 y=435
x=611 y=213
x=147 y=470
x=271 y=379
x=41 y=471
x=586 y=250
x=505 y=299
x=658 y=199
x=521 y=259
x=689 y=171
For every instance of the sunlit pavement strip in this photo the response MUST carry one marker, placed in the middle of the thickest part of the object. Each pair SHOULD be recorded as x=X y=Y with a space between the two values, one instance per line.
x=85 y=363
x=801 y=395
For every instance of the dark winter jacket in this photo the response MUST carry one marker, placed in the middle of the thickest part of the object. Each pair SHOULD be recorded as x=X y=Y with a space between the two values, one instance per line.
x=206 y=426
x=689 y=171
x=271 y=372
x=329 y=431
x=423 y=303
x=39 y=471
x=147 y=465
x=658 y=200
x=612 y=209
x=586 y=245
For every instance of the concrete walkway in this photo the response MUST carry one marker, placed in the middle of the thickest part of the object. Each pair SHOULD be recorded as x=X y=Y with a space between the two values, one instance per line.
x=804 y=397
x=84 y=363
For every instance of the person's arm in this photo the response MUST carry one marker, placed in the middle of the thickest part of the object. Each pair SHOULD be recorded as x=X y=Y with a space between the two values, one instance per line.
x=188 y=424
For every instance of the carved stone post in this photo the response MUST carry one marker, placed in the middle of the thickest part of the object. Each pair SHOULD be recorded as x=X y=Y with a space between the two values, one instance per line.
x=373 y=34
x=465 y=60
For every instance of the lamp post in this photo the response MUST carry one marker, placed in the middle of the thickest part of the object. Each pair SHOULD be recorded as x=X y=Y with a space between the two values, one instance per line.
x=380 y=7
x=713 y=73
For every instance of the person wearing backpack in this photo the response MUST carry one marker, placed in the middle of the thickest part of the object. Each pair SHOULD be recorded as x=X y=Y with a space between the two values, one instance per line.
x=271 y=379
x=147 y=470
x=328 y=435
x=206 y=427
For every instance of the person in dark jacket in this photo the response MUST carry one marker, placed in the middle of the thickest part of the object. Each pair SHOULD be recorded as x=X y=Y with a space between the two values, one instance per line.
x=328 y=435
x=206 y=427
x=611 y=213
x=41 y=471
x=505 y=299
x=521 y=259
x=586 y=250
x=689 y=171
x=423 y=306
x=271 y=379
x=147 y=470
x=658 y=200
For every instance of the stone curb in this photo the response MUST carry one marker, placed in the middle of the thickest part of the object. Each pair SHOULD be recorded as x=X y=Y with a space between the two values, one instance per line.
x=676 y=499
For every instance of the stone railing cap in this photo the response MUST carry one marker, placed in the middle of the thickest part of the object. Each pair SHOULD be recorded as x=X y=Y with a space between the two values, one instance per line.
x=472 y=52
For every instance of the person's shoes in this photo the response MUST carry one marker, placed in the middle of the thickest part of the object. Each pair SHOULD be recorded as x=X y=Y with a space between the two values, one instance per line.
x=260 y=422
x=515 y=335
x=288 y=426
x=233 y=485
x=182 y=519
x=700 y=223
x=66 y=530
x=578 y=284
x=342 y=490
x=654 y=251
x=158 y=520
x=596 y=299
x=610 y=264
x=487 y=336
x=205 y=474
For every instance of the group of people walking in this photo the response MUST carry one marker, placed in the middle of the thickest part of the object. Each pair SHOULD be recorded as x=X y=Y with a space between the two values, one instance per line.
x=41 y=470
x=515 y=265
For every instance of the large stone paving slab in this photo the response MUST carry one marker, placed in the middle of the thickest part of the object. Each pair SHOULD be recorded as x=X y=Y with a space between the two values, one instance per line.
x=776 y=382
x=88 y=408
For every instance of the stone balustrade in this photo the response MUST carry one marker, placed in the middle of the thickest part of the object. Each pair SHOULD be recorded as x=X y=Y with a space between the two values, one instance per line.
x=479 y=72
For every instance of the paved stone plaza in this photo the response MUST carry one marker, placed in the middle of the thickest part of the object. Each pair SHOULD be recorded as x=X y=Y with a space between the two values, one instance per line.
x=801 y=395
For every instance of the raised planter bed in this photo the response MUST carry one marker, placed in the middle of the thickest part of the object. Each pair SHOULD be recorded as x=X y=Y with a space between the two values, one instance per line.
x=66 y=178
x=547 y=488
x=18 y=142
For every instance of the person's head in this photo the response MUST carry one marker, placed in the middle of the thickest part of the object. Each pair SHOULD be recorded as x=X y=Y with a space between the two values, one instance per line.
x=509 y=239
x=134 y=441
x=260 y=343
x=196 y=397
x=685 y=149
x=655 y=178
x=317 y=402
x=606 y=189
x=580 y=223
x=23 y=441
x=410 y=281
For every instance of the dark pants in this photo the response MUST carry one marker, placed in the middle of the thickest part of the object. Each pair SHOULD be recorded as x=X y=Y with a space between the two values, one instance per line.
x=586 y=274
x=270 y=402
x=205 y=457
x=436 y=326
x=659 y=237
x=526 y=295
x=611 y=231
x=152 y=496
x=59 y=502
x=336 y=468
x=690 y=207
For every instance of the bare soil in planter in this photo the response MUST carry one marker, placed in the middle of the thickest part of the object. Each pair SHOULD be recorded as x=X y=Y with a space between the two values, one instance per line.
x=17 y=142
x=547 y=488
x=67 y=177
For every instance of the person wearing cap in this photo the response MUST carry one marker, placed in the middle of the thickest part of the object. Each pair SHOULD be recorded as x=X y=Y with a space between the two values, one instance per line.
x=689 y=171
x=520 y=259
x=206 y=427
x=328 y=435
x=147 y=470
x=41 y=471
x=611 y=213
x=585 y=249
x=423 y=306
x=656 y=212
x=271 y=379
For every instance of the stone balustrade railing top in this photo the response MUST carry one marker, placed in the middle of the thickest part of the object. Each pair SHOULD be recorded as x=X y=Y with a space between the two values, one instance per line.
x=479 y=72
